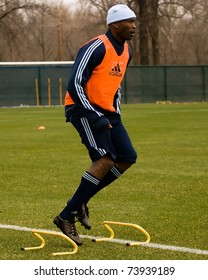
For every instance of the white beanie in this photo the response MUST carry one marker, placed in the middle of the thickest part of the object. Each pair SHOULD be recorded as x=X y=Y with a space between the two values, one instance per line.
x=119 y=12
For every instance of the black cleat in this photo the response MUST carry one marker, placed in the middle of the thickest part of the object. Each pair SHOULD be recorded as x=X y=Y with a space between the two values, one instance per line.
x=68 y=228
x=83 y=215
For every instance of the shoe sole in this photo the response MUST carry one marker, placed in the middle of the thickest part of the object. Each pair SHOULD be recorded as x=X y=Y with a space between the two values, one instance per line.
x=84 y=225
x=56 y=222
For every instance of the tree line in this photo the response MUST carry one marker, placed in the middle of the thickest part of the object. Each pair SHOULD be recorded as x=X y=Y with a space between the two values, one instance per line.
x=168 y=31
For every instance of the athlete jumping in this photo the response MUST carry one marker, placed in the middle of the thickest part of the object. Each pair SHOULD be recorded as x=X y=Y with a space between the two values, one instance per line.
x=92 y=106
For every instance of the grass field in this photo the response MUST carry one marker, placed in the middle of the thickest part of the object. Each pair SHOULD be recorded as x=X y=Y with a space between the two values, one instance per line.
x=165 y=192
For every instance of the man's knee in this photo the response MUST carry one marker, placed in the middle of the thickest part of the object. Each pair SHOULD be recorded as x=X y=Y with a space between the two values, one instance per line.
x=123 y=166
x=125 y=163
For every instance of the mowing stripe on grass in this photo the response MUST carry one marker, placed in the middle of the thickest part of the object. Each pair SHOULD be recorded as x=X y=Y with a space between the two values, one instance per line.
x=121 y=241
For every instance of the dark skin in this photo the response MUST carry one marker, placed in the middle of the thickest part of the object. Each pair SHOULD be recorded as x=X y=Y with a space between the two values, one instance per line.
x=122 y=31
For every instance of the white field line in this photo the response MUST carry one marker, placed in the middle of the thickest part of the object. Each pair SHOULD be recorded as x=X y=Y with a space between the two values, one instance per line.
x=121 y=241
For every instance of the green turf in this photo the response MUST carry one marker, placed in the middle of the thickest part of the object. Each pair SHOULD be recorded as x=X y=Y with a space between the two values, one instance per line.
x=165 y=192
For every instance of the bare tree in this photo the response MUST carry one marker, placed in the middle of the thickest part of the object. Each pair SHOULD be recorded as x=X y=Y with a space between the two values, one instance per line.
x=12 y=26
x=168 y=31
x=40 y=26
x=8 y=7
x=183 y=32
x=143 y=31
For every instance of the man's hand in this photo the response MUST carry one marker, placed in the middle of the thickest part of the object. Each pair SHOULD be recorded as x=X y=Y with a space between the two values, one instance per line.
x=109 y=126
x=102 y=123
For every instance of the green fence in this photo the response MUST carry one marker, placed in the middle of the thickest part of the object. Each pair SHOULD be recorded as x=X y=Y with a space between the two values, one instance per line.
x=45 y=84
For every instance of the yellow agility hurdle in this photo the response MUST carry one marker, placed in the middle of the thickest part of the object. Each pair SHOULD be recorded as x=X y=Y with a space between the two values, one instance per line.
x=112 y=234
x=37 y=234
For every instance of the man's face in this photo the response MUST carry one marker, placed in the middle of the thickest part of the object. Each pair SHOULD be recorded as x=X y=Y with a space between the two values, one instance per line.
x=126 y=29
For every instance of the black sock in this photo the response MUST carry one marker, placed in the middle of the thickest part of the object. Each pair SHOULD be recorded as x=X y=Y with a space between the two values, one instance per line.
x=82 y=195
x=111 y=176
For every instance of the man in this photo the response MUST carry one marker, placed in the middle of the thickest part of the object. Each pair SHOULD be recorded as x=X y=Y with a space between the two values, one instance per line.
x=92 y=105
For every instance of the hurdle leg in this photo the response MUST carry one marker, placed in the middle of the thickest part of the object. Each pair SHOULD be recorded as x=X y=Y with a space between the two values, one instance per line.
x=139 y=228
x=36 y=247
x=112 y=234
x=58 y=234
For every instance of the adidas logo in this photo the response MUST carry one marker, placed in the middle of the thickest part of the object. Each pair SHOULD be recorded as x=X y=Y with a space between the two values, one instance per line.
x=116 y=71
